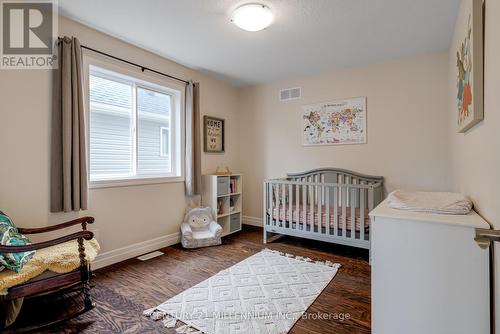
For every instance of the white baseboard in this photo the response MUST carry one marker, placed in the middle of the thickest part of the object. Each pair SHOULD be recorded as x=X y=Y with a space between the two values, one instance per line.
x=254 y=221
x=134 y=250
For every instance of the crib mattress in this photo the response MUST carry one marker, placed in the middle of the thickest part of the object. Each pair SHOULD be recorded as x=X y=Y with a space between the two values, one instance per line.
x=278 y=214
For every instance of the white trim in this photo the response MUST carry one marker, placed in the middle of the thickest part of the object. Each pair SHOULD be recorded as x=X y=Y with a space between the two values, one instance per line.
x=126 y=75
x=254 y=221
x=133 y=181
x=134 y=250
x=104 y=67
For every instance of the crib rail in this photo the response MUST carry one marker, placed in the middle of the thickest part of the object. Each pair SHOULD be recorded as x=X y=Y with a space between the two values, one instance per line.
x=287 y=181
x=323 y=205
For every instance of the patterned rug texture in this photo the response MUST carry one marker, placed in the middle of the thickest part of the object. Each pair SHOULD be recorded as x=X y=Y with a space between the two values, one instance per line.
x=265 y=293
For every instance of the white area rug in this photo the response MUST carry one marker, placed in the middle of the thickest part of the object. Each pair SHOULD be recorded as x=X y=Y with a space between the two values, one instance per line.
x=265 y=293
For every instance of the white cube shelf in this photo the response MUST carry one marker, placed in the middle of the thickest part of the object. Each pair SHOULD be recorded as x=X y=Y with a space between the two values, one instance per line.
x=223 y=193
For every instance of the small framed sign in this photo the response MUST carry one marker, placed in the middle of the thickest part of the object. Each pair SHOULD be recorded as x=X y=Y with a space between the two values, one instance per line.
x=213 y=134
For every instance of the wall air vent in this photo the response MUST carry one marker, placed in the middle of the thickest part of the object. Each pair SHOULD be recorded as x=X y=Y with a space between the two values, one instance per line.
x=290 y=94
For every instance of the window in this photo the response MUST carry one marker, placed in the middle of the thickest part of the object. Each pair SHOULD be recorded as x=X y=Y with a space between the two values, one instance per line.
x=164 y=142
x=134 y=130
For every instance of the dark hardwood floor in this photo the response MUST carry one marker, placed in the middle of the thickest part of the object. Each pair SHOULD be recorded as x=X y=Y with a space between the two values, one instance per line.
x=122 y=291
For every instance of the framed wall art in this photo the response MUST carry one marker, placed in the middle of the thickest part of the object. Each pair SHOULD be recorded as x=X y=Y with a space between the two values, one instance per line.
x=213 y=134
x=468 y=45
x=336 y=122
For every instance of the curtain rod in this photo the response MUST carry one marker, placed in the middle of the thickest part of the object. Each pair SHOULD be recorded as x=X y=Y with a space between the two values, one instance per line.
x=143 y=68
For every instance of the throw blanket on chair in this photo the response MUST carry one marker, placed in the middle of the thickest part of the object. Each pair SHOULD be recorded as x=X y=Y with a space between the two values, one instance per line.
x=430 y=202
x=61 y=258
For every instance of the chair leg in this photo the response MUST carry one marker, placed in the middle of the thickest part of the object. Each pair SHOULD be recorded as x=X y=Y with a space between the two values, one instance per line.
x=85 y=275
x=87 y=297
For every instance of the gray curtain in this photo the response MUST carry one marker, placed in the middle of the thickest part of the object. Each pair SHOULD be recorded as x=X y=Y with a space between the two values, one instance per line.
x=69 y=188
x=192 y=164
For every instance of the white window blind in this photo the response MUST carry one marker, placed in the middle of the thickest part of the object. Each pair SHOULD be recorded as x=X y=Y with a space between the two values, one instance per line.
x=132 y=128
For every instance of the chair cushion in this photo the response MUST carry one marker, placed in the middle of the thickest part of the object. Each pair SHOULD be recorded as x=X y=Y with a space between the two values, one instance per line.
x=10 y=236
x=203 y=234
x=62 y=258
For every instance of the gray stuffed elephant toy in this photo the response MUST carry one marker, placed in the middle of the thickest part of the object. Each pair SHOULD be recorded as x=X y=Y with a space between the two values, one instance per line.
x=199 y=229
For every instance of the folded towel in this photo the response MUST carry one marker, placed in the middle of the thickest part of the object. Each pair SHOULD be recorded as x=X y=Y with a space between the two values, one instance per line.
x=430 y=202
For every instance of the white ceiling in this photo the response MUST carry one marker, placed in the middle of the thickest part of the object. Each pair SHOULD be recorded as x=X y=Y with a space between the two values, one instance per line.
x=307 y=37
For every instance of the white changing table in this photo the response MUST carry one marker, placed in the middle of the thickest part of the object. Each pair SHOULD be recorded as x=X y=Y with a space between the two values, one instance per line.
x=428 y=274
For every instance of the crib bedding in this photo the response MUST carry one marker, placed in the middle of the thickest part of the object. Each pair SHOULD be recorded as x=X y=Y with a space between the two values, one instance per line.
x=278 y=213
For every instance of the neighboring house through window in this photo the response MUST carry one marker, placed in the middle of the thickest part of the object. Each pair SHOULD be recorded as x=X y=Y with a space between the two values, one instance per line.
x=134 y=128
x=164 y=142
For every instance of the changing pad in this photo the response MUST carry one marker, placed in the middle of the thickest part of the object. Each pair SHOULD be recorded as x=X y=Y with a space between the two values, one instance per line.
x=430 y=202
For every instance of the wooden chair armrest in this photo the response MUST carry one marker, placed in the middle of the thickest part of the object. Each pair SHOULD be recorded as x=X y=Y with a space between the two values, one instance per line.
x=83 y=221
x=87 y=235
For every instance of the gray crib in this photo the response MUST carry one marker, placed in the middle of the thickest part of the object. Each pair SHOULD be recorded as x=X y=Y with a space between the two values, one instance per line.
x=326 y=204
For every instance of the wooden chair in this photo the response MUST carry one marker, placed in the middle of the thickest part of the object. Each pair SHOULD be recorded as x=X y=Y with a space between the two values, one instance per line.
x=49 y=282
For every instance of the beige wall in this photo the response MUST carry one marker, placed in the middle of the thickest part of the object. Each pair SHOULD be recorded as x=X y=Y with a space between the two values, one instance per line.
x=407 y=126
x=125 y=215
x=476 y=154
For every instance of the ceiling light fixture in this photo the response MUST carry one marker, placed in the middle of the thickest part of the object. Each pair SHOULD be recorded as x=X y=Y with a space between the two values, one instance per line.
x=252 y=17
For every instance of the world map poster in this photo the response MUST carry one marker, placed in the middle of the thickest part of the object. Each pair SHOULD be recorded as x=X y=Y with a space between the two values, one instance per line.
x=335 y=123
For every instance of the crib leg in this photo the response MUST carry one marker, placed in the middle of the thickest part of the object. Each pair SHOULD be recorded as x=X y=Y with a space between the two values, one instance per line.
x=270 y=237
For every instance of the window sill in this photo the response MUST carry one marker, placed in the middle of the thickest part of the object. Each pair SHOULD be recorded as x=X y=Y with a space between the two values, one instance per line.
x=96 y=184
